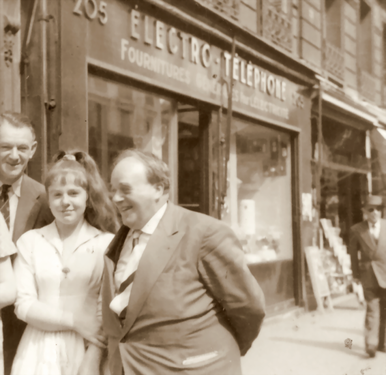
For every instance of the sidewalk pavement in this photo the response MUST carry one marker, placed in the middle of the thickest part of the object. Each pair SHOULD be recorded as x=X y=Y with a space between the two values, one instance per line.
x=314 y=344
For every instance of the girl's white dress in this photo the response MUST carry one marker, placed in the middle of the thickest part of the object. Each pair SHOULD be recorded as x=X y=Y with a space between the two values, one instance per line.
x=54 y=287
x=7 y=248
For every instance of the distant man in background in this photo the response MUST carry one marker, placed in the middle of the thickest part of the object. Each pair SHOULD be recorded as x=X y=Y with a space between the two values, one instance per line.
x=22 y=203
x=368 y=261
x=177 y=295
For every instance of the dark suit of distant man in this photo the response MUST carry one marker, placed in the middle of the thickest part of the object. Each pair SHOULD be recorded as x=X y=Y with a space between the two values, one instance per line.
x=22 y=202
x=368 y=259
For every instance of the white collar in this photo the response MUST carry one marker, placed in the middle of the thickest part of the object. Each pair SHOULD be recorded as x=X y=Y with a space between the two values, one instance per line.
x=152 y=224
x=16 y=186
x=51 y=234
x=376 y=225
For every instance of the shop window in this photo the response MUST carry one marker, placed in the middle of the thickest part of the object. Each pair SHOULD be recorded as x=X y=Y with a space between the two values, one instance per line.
x=365 y=37
x=122 y=117
x=193 y=158
x=258 y=203
x=188 y=157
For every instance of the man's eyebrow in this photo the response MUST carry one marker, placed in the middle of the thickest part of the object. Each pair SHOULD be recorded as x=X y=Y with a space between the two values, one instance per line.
x=124 y=184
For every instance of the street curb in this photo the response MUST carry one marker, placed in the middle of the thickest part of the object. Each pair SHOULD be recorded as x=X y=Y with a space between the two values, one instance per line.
x=297 y=312
x=293 y=313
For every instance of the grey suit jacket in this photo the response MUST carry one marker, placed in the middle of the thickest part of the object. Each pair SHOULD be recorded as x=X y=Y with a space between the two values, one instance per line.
x=194 y=306
x=368 y=259
x=32 y=210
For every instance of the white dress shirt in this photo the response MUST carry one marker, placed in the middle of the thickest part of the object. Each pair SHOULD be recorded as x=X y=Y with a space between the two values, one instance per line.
x=129 y=260
x=14 y=196
x=375 y=229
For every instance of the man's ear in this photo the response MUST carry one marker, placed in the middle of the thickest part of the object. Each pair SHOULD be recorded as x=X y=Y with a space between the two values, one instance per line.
x=159 y=190
x=33 y=149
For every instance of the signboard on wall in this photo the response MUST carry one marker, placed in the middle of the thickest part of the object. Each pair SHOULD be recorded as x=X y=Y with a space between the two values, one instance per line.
x=130 y=41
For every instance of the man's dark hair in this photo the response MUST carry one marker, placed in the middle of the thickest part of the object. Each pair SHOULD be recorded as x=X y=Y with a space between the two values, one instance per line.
x=18 y=120
x=157 y=171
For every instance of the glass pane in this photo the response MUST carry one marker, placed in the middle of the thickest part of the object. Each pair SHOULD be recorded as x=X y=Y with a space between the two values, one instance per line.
x=122 y=117
x=189 y=171
x=259 y=201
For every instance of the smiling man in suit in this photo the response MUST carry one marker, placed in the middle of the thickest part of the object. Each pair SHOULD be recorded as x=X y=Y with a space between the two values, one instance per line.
x=177 y=293
x=22 y=203
x=368 y=261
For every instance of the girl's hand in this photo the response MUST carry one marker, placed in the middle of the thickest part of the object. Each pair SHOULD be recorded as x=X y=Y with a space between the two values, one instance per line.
x=89 y=328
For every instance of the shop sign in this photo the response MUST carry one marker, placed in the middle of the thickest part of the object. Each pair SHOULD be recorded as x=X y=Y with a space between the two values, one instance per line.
x=134 y=43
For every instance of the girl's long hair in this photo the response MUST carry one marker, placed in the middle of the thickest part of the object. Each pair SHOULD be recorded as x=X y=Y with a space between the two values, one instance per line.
x=100 y=211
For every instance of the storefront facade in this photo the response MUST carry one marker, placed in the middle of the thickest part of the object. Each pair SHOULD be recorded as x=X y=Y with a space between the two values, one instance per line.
x=132 y=75
x=343 y=178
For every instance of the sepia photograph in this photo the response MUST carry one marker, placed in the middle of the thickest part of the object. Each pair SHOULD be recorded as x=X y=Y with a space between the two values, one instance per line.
x=193 y=187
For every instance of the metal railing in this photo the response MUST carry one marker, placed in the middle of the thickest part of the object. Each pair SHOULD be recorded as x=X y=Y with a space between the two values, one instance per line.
x=334 y=60
x=277 y=27
x=228 y=7
x=367 y=85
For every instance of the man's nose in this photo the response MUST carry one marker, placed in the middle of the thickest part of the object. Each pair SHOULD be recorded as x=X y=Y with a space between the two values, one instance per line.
x=14 y=153
x=117 y=197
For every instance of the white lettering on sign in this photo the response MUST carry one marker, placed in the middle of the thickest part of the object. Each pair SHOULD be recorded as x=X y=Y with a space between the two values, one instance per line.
x=135 y=18
x=156 y=34
x=159 y=33
x=195 y=50
x=172 y=46
x=91 y=10
x=152 y=63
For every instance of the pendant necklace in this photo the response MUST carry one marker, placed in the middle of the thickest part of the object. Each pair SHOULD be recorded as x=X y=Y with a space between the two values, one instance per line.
x=65 y=270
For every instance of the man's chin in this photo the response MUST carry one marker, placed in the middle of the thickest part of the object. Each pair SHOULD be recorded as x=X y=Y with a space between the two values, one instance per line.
x=128 y=221
x=12 y=175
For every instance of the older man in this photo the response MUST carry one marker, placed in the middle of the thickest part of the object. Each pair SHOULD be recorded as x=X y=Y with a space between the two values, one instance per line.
x=177 y=293
x=368 y=259
x=22 y=203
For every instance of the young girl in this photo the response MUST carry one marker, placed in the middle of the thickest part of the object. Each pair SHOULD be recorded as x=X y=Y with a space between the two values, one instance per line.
x=58 y=273
x=7 y=279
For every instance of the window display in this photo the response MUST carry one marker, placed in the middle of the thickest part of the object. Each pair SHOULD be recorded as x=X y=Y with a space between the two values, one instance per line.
x=259 y=200
x=122 y=117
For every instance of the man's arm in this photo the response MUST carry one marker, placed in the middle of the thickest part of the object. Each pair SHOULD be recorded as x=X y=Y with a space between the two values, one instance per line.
x=225 y=273
x=353 y=250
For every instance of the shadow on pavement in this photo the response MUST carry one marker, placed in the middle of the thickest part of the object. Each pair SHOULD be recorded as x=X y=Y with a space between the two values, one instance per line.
x=345 y=330
x=323 y=345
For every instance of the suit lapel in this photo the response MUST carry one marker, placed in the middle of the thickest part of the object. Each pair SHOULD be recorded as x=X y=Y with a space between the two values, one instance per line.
x=27 y=208
x=111 y=321
x=114 y=250
x=382 y=237
x=157 y=254
x=366 y=236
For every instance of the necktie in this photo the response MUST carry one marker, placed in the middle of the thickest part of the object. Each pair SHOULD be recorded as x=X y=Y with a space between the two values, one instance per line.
x=4 y=203
x=129 y=280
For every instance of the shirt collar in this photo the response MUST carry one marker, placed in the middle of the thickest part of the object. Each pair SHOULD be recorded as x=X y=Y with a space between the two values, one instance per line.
x=51 y=234
x=152 y=224
x=16 y=186
x=376 y=225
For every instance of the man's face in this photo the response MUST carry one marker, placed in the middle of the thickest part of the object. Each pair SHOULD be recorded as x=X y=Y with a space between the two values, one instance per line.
x=17 y=147
x=373 y=213
x=137 y=200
